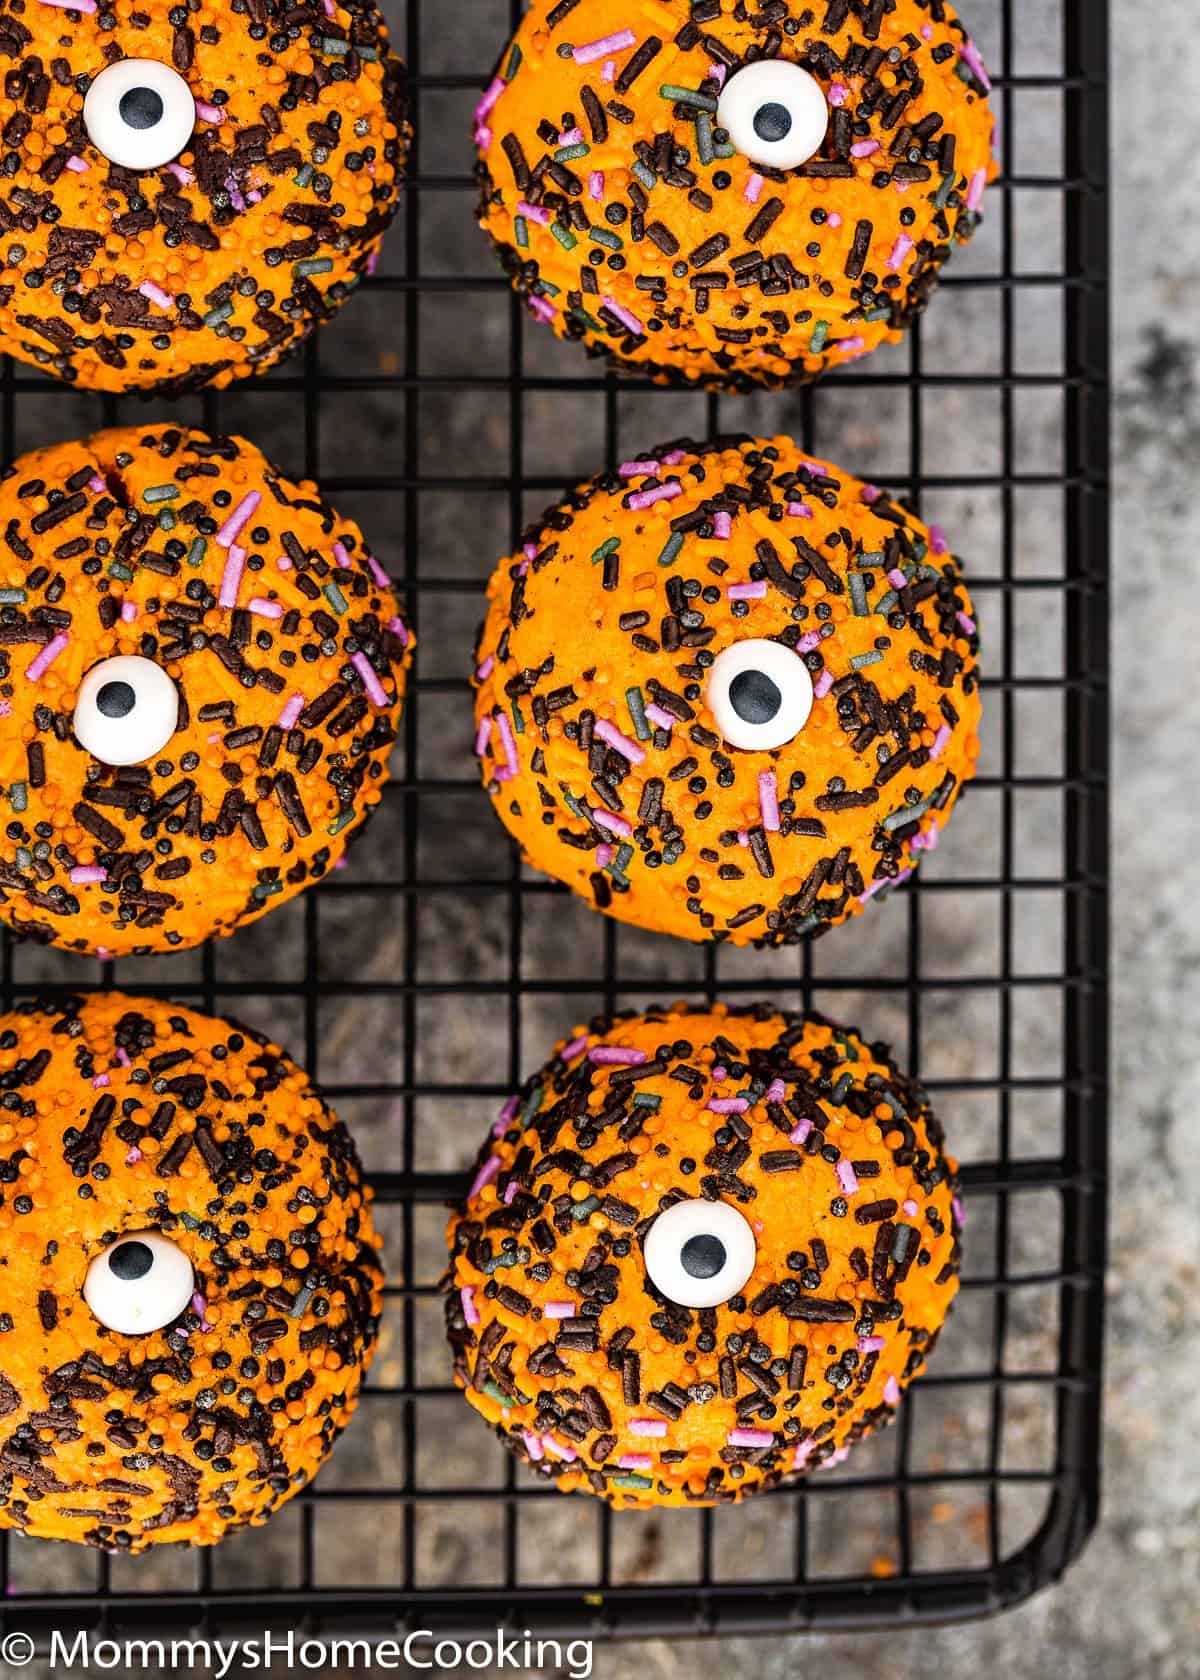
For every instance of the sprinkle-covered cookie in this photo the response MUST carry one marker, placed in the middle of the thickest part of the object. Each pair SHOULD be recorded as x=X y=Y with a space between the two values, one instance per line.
x=190 y=1280
x=737 y=195
x=702 y=1251
x=201 y=675
x=188 y=191
x=728 y=692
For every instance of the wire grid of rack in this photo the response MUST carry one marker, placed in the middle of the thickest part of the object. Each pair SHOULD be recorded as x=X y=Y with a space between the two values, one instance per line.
x=988 y=1485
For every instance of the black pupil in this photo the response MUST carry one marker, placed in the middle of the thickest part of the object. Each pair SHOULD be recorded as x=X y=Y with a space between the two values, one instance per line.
x=116 y=700
x=754 y=697
x=703 y=1256
x=772 y=122
x=141 y=107
x=130 y=1261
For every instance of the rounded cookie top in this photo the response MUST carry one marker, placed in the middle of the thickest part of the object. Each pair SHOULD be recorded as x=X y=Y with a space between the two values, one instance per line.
x=702 y=1251
x=188 y=191
x=184 y=1174
x=738 y=196
x=728 y=692
x=201 y=675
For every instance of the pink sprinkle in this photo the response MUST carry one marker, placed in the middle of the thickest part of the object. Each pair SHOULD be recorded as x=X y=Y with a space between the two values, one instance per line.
x=969 y=53
x=636 y=1461
x=848 y=346
x=376 y=692
x=569 y=1052
x=596 y=184
x=128 y=612
x=133 y=1157
x=975 y=189
x=541 y=307
x=808 y=642
x=210 y=113
x=864 y=148
x=940 y=741
x=891 y=1391
x=609 y=820
x=800 y=1131
x=723 y=526
x=799 y=510
x=747 y=591
x=559 y=1309
x=511 y=1190
x=616 y=1055
x=87 y=874
x=960 y=1212
x=571 y=137
x=78 y=165
x=967 y=622
x=227 y=535
x=927 y=32
x=871 y=1344
x=609 y=72
x=834 y=219
x=506 y=1115
x=804 y=1451
x=910 y=1208
x=97 y=485
x=264 y=609
x=38 y=667
x=768 y=801
x=897 y=578
x=657 y=716
x=900 y=250
x=638 y=469
x=291 y=711
x=397 y=627
x=776 y=1091
x=927 y=842
x=717 y=73
x=283 y=564
x=727 y=1105
x=882 y=882
x=673 y=457
x=753 y=189
x=484 y=671
x=101 y=1082
x=200 y=1308
x=508 y=741
x=73 y=5
x=532 y=1446
x=485 y=1175
x=871 y=493
x=846 y=1177
x=647 y=1426
x=487 y=104
x=621 y=743
x=470 y=1310
x=530 y=551
x=606 y=44
x=483 y=735
x=750 y=1438
x=625 y=316
x=123 y=1057
x=838 y=94
x=231 y=577
x=661 y=493
x=743 y=837
x=181 y=173
x=330 y=8
x=376 y=570
x=604 y=855
x=720 y=1074
x=560 y=1449
x=937 y=540
x=164 y=300
x=533 y=212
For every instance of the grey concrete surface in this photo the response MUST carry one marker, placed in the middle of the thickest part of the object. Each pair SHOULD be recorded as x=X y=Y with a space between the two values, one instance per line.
x=1128 y=1609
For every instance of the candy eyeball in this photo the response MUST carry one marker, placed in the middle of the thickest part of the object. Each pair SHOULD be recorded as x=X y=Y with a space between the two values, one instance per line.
x=127 y=710
x=699 y=1253
x=760 y=694
x=140 y=113
x=139 y=1283
x=775 y=113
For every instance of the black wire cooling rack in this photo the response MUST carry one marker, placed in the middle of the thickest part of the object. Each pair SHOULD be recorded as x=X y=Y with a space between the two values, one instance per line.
x=426 y=977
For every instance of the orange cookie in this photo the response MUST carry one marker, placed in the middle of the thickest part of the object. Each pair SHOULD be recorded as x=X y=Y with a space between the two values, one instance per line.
x=736 y=195
x=188 y=191
x=703 y=1251
x=190 y=1280
x=201 y=675
x=728 y=692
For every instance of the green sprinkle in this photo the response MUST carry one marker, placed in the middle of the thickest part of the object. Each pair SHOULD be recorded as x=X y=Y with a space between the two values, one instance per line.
x=303 y=175
x=300 y=1304
x=672 y=854
x=878 y=314
x=820 y=333
x=518 y=720
x=19 y=794
x=499 y=1262
x=850 y=1052
x=514 y=63
x=643 y=174
x=609 y=546
x=564 y=236
x=216 y=316
x=119 y=569
x=12 y=597
x=195 y=554
x=582 y=1209
x=941 y=196
x=335 y=598
x=647 y=1099
x=907 y=814
x=341 y=821
x=688 y=96
x=603 y=236
x=858 y=660
x=312 y=265
x=581 y=314
x=838 y=1095
x=189 y=1221
x=858 y=594
x=161 y=493
x=809 y=925
x=24 y=858
x=866 y=561
x=886 y=602
x=623 y=859
x=630 y=1479
x=920 y=549
x=673 y=545
x=725 y=148
x=704 y=137
x=167 y=520
x=267 y=889
x=532 y=1105
x=564 y=154
x=573 y=805
x=521 y=230
x=334 y=45
x=497 y=1394
x=637 y=711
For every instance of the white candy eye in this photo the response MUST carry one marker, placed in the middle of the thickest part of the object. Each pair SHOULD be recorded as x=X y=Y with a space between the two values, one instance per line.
x=127 y=710
x=139 y=113
x=775 y=113
x=139 y=1284
x=699 y=1253
x=760 y=694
